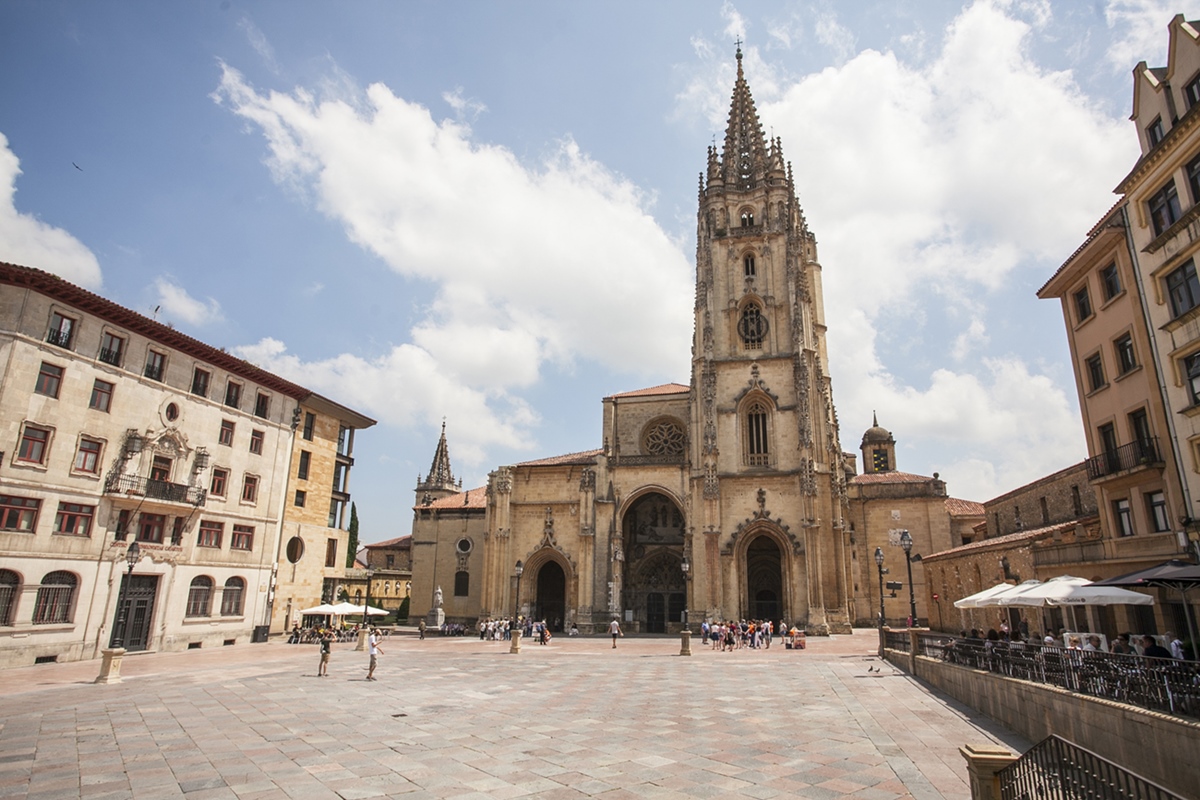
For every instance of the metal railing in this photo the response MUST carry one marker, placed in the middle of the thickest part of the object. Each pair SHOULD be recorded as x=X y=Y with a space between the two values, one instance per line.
x=1156 y=684
x=60 y=338
x=110 y=356
x=155 y=490
x=1055 y=769
x=1141 y=453
x=897 y=640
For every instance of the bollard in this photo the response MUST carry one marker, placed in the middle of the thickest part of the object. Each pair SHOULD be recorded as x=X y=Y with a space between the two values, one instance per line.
x=515 y=647
x=983 y=762
x=110 y=665
x=362 y=640
x=685 y=642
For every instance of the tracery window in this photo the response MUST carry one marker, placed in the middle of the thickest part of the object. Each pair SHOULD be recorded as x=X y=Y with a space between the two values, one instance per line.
x=664 y=438
x=752 y=327
x=758 y=450
x=748 y=265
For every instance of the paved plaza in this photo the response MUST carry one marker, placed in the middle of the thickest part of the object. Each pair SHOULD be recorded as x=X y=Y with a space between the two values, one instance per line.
x=457 y=717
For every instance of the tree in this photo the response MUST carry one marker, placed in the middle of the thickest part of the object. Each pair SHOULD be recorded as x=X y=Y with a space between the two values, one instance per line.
x=352 y=540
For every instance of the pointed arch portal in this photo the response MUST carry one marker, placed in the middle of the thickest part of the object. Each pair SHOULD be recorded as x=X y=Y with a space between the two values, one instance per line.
x=653 y=530
x=551 y=595
x=764 y=579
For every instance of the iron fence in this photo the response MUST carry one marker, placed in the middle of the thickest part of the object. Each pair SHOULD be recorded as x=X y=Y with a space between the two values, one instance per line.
x=1157 y=684
x=1055 y=769
x=897 y=640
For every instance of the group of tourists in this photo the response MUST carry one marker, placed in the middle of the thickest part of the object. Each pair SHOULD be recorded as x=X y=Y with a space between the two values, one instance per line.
x=731 y=635
x=1123 y=644
x=314 y=634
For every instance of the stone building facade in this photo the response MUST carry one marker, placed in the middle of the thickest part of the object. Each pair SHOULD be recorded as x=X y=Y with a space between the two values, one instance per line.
x=116 y=429
x=723 y=498
x=312 y=560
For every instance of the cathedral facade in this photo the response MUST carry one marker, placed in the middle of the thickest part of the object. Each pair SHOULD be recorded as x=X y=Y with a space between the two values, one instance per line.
x=726 y=498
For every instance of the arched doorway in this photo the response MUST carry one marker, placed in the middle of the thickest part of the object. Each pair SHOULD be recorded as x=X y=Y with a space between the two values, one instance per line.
x=654 y=589
x=764 y=579
x=551 y=603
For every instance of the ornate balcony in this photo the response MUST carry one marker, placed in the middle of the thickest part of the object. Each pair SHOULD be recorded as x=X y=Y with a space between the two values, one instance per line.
x=138 y=486
x=1142 y=454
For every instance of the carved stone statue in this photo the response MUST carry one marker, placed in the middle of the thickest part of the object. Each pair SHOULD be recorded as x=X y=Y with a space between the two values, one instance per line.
x=437 y=597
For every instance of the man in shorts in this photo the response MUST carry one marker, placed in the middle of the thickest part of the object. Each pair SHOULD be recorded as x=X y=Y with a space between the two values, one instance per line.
x=375 y=651
x=326 y=651
x=614 y=628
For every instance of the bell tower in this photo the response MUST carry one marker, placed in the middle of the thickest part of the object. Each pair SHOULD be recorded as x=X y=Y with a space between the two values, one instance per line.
x=765 y=455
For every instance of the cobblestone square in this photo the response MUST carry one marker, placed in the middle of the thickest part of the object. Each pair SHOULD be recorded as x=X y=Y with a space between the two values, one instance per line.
x=457 y=717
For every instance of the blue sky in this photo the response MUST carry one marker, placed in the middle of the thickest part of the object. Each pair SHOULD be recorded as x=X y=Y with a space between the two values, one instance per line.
x=486 y=211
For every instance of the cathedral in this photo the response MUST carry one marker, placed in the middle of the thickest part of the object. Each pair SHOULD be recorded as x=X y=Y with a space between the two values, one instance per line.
x=727 y=498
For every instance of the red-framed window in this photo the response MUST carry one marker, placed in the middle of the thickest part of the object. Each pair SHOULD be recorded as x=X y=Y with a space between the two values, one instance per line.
x=250 y=489
x=210 y=534
x=220 y=478
x=87 y=459
x=150 y=527
x=256 y=441
x=102 y=392
x=34 y=445
x=18 y=513
x=225 y=437
x=243 y=537
x=73 y=519
x=49 y=380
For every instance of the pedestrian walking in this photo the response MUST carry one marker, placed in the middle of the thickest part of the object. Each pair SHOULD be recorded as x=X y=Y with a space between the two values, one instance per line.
x=375 y=651
x=326 y=652
x=614 y=628
x=421 y=630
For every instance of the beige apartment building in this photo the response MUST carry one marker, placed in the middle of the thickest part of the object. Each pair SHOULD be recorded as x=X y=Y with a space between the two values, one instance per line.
x=116 y=429
x=313 y=558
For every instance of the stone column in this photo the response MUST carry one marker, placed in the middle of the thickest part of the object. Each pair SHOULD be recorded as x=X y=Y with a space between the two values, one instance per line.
x=110 y=665
x=983 y=762
x=515 y=646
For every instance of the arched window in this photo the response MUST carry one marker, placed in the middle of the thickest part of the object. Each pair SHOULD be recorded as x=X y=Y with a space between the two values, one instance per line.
x=199 y=602
x=752 y=327
x=462 y=583
x=747 y=219
x=10 y=586
x=758 y=450
x=748 y=265
x=55 y=597
x=232 y=597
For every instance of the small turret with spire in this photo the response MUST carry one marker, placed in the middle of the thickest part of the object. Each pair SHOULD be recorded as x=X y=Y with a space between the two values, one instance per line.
x=440 y=481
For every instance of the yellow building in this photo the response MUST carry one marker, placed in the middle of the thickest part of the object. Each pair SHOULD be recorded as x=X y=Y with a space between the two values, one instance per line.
x=312 y=558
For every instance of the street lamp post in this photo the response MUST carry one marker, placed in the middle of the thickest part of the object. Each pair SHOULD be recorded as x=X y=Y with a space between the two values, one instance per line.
x=685 y=635
x=907 y=543
x=132 y=554
x=515 y=629
x=367 y=601
x=879 y=564
x=519 y=569
x=110 y=663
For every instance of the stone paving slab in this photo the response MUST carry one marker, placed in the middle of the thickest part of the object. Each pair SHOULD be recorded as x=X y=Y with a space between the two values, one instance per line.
x=460 y=718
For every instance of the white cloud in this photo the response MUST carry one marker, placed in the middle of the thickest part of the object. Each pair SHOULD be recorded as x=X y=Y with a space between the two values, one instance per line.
x=408 y=385
x=1140 y=28
x=258 y=40
x=831 y=33
x=26 y=240
x=467 y=109
x=530 y=262
x=176 y=303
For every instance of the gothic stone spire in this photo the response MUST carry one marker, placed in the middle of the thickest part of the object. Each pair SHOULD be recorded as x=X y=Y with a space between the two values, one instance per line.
x=440 y=477
x=745 y=154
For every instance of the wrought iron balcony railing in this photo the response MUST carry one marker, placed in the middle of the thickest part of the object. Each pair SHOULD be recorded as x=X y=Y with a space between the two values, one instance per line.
x=110 y=356
x=155 y=490
x=59 y=338
x=1135 y=455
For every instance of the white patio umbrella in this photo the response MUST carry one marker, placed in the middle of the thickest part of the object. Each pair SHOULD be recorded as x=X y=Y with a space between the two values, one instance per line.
x=986 y=597
x=1038 y=594
x=344 y=608
x=1090 y=595
x=324 y=608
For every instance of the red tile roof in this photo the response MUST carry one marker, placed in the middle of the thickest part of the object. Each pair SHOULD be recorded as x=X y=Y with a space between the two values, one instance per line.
x=666 y=388
x=473 y=498
x=963 y=508
x=586 y=457
x=890 y=477
x=1014 y=538
x=399 y=541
